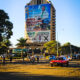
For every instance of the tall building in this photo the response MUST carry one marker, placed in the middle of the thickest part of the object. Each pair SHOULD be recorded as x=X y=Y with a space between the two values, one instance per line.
x=40 y=24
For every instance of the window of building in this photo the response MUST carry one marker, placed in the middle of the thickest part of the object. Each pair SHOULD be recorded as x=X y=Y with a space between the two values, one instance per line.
x=53 y=19
x=53 y=25
x=38 y=1
x=53 y=32
x=53 y=22
x=53 y=16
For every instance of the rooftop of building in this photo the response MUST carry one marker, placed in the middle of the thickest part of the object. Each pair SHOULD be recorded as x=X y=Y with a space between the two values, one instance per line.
x=37 y=2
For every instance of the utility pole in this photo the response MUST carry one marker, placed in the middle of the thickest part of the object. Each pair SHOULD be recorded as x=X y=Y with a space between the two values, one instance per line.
x=57 y=44
x=70 y=49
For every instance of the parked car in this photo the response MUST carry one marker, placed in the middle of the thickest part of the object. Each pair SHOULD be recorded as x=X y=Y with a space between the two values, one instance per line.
x=52 y=57
x=62 y=61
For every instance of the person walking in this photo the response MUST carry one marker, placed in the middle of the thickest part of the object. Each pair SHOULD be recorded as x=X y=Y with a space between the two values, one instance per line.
x=37 y=59
x=10 y=55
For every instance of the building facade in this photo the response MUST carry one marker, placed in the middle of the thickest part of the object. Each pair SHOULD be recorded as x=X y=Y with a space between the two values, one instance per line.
x=40 y=26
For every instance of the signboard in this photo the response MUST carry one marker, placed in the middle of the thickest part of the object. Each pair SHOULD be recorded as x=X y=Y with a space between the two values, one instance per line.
x=19 y=50
x=38 y=22
x=41 y=36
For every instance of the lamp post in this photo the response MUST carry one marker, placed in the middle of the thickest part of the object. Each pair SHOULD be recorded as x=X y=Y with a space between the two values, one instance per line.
x=70 y=50
x=57 y=44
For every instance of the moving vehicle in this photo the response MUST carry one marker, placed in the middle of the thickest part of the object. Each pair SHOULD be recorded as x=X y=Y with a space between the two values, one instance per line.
x=62 y=61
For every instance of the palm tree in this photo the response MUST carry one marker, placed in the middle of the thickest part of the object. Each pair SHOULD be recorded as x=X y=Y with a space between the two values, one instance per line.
x=21 y=44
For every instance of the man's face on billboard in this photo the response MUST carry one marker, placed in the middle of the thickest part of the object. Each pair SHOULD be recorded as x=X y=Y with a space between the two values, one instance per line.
x=43 y=8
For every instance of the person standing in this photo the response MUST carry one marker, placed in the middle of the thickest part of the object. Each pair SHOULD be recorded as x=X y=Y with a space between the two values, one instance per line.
x=32 y=59
x=3 y=59
x=37 y=59
x=10 y=55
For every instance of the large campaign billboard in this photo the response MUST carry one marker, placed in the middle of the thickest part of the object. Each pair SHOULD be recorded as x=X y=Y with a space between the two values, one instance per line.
x=38 y=22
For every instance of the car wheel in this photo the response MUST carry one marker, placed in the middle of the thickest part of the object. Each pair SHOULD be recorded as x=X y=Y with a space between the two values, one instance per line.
x=51 y=65
x=62 y=65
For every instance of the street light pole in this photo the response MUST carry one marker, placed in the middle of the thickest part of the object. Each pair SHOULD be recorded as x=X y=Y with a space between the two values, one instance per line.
x=70 y=49
x=57 y=44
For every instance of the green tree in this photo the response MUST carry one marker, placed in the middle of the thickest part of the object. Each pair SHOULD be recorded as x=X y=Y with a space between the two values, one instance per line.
x=66 y=48
x=5 y=46
x=5 y=31
x=51 y=46
x=21 y=42
x=69 y=49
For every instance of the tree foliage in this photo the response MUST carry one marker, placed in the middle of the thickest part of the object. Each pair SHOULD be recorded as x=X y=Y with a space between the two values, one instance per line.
x=5 y=31
x=51 y=46
x=5 y=26
x=21 y=42
x=69 y=49
x=66 y=48
x=4 y=46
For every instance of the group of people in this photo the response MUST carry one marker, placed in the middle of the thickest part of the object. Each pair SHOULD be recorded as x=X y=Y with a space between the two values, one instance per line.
x=9 y=56
x=32 y=59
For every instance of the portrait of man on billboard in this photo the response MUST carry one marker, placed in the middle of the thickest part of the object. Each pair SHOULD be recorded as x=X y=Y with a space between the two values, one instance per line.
x=38 y=19
x=45 y=19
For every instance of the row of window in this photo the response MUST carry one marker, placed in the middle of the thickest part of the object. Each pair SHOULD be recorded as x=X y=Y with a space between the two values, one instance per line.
x=38 y=1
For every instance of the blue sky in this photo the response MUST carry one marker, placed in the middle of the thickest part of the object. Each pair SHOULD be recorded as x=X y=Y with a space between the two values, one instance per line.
x=67 y=19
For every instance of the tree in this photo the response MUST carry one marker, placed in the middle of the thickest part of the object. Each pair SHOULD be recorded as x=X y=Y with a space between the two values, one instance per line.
x=21 y=42
x=51 y=46
x=5 y=46
x=5 y=26
x=69 y=49
x=66 y=48
x=5 y=31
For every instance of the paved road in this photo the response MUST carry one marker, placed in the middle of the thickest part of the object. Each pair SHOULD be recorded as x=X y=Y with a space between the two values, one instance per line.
x=39 y=71
x=12 y=76
x=20 y=61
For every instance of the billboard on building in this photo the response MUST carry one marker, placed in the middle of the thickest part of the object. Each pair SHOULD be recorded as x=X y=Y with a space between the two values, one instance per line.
x=38 y=22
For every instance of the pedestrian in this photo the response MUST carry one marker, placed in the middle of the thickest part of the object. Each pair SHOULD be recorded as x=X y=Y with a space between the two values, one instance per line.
x=37 y=59
x=3 y=59
x=10 y=55
x=32 y=59
x=10 y=58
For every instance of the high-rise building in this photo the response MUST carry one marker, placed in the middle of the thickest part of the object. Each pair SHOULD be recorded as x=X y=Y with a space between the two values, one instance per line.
x=40 y=24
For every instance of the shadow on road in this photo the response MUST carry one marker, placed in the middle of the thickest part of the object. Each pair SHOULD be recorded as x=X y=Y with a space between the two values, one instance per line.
x=23 y=76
